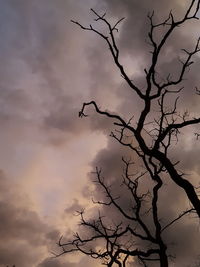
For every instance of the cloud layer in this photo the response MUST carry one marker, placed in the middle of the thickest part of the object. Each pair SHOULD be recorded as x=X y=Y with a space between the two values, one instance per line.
x=49 y=67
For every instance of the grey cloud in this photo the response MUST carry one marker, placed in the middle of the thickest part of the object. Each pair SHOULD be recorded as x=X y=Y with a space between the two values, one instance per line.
x=53 y=235
x=40 y=49
x=57 y=263
x=38 y=76
x=25 y=237
x=132 y=43
x=76 y=206
x=52 y=263
x=182 y=238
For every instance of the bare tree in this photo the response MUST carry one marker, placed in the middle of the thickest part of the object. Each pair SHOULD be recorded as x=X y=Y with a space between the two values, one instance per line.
x=136 y=232
x=121 y=242
x=117 y=239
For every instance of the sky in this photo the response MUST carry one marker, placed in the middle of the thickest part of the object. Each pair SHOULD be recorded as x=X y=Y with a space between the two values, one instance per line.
x=49 y=67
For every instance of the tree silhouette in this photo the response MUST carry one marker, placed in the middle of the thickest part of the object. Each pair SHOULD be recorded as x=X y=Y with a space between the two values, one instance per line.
x=139 y=232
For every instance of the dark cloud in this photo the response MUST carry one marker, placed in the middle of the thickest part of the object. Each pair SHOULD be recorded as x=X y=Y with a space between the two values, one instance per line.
x=135 y=28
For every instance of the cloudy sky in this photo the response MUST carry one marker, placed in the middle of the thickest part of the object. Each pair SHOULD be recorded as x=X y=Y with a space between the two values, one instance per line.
x=48 y=68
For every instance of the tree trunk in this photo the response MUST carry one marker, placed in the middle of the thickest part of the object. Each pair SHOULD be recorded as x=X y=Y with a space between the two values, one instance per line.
x=163 y=257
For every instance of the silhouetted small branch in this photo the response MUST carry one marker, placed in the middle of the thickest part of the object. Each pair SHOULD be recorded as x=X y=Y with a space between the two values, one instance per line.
x=178 y=218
